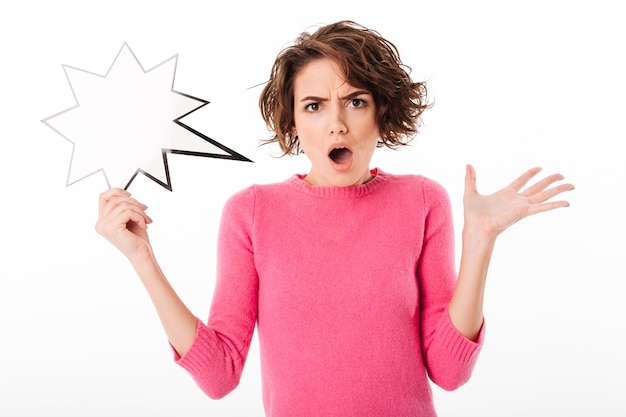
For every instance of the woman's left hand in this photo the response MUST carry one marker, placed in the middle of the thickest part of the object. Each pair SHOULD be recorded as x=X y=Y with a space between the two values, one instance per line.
x=494 y=213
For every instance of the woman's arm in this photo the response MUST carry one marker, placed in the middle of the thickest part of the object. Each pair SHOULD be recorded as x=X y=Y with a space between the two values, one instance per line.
x=485 y=217
x=123 y=221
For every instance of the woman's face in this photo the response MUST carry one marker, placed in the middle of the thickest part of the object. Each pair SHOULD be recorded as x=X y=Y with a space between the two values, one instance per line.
x=335 y=124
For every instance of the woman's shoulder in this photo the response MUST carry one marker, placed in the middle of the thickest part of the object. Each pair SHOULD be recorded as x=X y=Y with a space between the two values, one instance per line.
x=417 y=190
x=249 y=194
x=428 y=185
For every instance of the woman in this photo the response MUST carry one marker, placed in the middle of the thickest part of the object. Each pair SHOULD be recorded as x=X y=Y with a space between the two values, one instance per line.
x=348 y=271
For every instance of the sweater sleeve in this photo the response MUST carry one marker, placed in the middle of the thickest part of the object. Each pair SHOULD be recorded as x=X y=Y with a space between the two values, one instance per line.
x=449 y=356
x=218 y=353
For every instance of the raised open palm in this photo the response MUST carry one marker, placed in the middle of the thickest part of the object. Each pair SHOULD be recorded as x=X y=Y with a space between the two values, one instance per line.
x=494 y=213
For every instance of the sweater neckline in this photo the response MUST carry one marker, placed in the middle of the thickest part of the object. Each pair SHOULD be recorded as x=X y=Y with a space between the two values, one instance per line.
x=297 y=181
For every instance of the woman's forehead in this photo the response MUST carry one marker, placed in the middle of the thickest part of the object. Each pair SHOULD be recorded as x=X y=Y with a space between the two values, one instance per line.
x=322 y=75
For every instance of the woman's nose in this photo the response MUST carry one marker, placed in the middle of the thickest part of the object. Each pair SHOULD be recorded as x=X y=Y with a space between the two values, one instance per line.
x=337 y=124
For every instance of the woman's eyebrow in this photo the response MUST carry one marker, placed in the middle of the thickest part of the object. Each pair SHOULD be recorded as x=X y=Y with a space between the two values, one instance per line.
x=347 y=97
x=355 y=94
x=313 y=98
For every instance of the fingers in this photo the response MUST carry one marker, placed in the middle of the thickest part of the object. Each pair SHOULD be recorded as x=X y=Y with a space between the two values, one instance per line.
x=539 y=194
x=106 y=196
x=542 y=185
x=114 y=197
x=126 y=207
x=117 y=208
x=540 y=197
x=470 y=180
x=523 y=179
x=551 y=205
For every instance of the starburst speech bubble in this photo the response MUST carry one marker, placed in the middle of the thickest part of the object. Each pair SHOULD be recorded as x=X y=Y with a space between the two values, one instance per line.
x=125 y=123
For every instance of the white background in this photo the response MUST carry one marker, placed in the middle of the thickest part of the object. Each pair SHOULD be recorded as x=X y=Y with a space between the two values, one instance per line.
x=516 y=84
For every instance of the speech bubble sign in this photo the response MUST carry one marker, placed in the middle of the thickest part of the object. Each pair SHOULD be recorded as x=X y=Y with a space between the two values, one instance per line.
x=125 y=123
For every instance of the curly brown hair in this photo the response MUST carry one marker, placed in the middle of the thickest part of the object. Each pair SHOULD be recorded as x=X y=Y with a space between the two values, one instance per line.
x=368 y=61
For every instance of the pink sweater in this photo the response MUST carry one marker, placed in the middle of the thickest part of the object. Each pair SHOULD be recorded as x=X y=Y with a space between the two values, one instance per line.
x=349 y=288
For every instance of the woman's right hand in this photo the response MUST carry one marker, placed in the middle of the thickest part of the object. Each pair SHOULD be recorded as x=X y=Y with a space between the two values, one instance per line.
x=123 y=221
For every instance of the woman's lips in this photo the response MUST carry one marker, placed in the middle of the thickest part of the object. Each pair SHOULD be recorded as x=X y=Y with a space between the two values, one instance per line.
x=341 y=157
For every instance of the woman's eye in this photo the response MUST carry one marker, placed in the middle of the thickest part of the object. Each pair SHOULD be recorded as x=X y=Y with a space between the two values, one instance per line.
x=357 y=102
x=313 y=107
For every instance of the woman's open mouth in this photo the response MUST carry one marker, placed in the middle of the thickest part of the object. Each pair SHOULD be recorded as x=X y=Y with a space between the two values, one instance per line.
x=340 y=155
x=341 y=158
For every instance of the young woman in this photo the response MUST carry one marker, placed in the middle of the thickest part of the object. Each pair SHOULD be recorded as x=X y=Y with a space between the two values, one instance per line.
x=348 y=271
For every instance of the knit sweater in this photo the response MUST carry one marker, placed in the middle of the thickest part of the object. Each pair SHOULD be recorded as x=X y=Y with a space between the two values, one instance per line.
x=348 y=287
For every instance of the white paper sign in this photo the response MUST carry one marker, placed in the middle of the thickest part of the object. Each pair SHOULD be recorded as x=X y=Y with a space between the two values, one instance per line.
x=125 y=123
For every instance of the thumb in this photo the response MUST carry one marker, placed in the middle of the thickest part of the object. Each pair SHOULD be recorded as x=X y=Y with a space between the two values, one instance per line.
x=470 y=180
